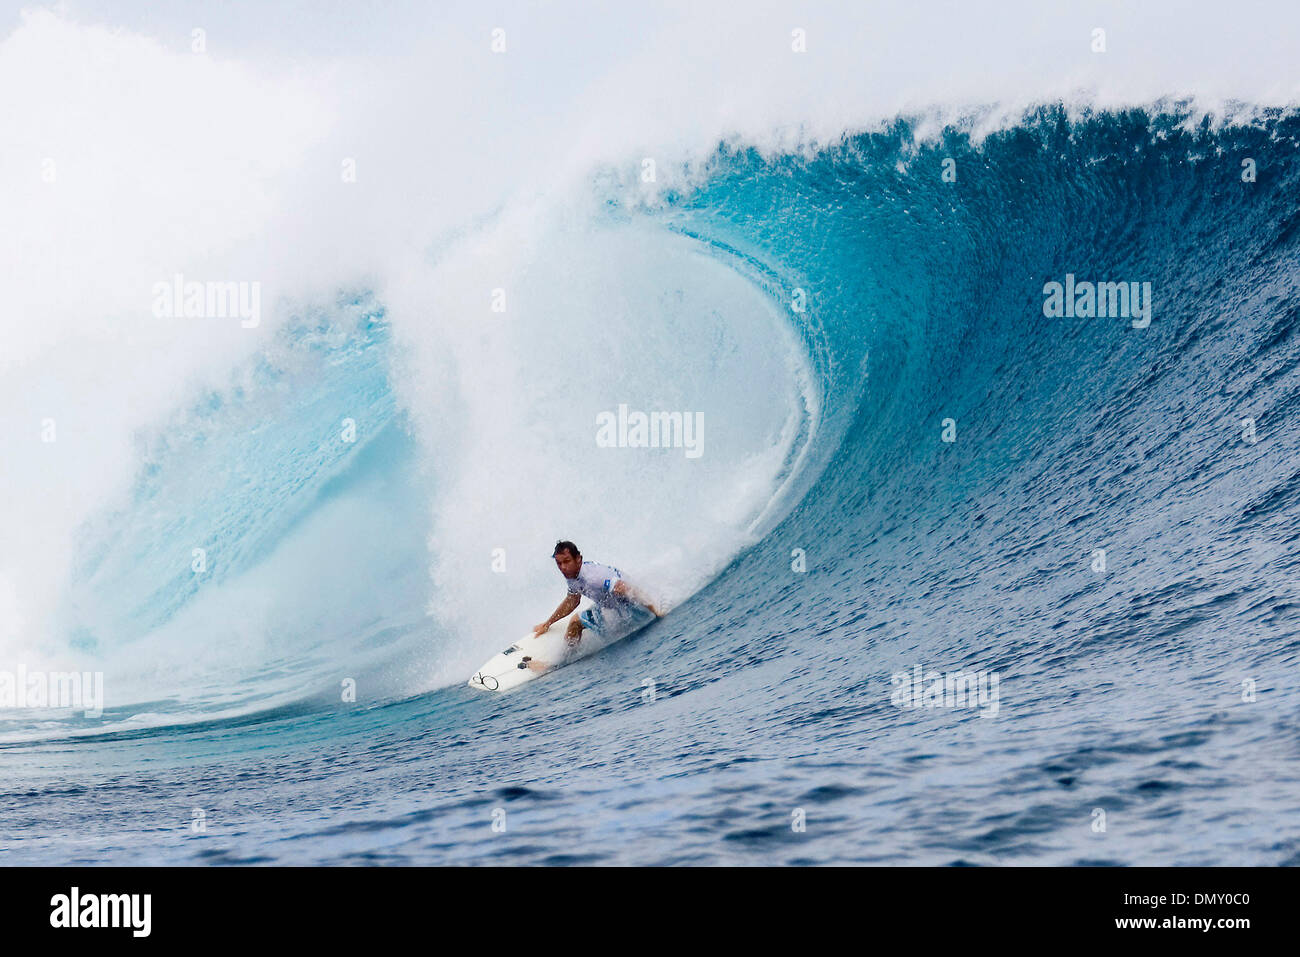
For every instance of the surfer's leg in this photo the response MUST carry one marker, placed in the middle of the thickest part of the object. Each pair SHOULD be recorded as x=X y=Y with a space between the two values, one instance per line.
x=573 y=634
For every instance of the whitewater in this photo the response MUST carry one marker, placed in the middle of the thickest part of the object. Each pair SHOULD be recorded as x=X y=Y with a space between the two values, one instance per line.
x=971 y=566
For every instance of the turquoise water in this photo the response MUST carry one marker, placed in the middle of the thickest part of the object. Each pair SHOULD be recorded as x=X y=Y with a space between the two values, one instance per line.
x=764 y=699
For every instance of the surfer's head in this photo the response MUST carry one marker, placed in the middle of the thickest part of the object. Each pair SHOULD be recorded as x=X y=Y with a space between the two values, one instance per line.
x=568 y=559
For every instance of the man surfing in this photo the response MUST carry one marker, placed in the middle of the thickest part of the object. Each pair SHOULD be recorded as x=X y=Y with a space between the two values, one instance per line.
x=617 y=608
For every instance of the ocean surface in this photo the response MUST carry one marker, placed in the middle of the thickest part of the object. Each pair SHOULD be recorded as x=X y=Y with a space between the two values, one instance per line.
x=907 y=464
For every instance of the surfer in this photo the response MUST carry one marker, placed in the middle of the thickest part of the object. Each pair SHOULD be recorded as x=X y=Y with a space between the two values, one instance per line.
x=617 y=607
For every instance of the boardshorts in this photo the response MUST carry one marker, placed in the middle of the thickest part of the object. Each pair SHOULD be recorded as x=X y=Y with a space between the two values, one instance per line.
x=611 y=622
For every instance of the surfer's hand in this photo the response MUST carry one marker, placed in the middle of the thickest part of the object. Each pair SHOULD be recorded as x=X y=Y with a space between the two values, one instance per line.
x=540 y=629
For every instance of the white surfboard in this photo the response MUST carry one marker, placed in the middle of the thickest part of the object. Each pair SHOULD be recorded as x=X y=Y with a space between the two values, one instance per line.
x=545 y=653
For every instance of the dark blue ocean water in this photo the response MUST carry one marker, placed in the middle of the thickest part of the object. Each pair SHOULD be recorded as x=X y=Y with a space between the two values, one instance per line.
x=1146 y=711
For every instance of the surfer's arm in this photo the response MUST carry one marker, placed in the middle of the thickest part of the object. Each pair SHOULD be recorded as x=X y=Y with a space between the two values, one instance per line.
x=627 y=591
x=570 y=602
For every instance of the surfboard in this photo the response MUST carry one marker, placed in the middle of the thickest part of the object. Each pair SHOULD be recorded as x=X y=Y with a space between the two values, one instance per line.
x=539 y=655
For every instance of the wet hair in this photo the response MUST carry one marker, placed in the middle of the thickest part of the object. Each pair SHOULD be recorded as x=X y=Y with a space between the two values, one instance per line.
x=566 y=546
